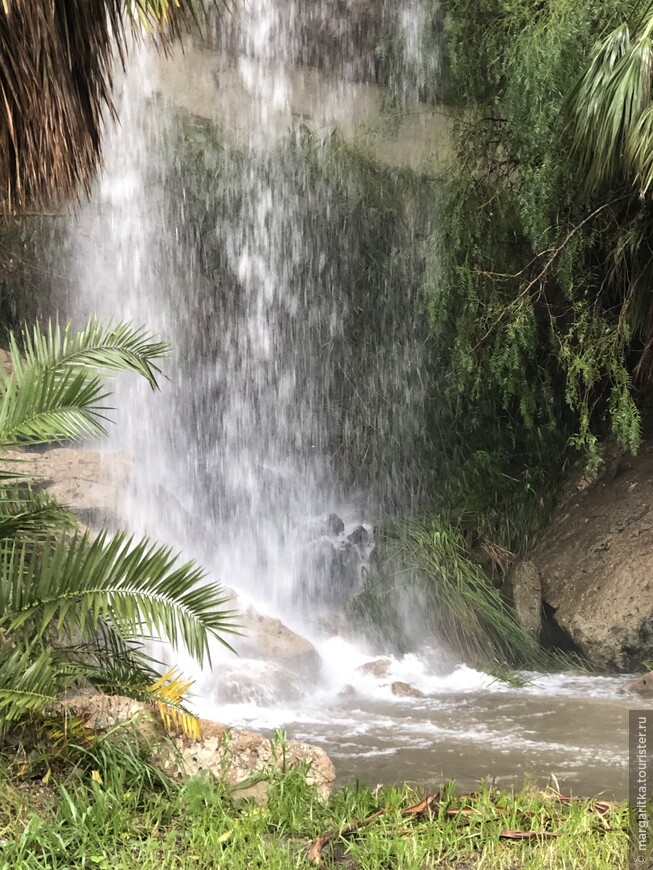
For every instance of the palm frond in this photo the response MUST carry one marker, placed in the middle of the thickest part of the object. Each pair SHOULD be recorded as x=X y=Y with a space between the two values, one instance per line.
x=168 y=693
x=133 y=584
x=639 y=151
x=45 y=406
x=608 y=109
x=28 y=680
x=56 y=77
x=56 y=392
x=29 y=515
x=95 y=348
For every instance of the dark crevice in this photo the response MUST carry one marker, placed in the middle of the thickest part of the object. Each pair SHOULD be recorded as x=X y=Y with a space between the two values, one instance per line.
x=553 y=636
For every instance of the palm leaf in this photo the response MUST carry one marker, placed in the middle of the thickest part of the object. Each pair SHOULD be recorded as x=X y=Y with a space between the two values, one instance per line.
x=639 y=150
x=168 y=694
x=610 y=135
x=29 y=681
x=56 y=77
x=29 y=515
x=44 y=406
x=133 y=584
x=56 y=392
x=95 y=348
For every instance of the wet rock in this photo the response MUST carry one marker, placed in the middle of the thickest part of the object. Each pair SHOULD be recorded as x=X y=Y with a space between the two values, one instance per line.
x=376 y=668
x=270 y=639
x=525 y=590
x=332 y=572
x=642 y=686
x=360 y=537
x=405 y=690
x=262 y=683
x=336 y=623
x=335 y=525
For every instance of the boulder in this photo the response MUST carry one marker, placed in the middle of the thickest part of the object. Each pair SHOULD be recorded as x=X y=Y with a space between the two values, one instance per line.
x=376 y=668
x=258 y=682
x=595 y=561
x=334 y=525
x=233 y=755
x=265 y=637
x=237 y=757
x=642 y=686
x=360 y=537
x=405 y=690
x=100 y=712
x=525 y=591
x=332 y=572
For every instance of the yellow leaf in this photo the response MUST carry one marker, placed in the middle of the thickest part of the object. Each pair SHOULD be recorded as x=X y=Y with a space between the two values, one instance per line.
x=224 y=837
x=168 y=694
x=96 y=777
x=46 y=778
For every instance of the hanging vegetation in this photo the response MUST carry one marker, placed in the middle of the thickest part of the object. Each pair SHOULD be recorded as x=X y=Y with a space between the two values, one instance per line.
x=537 y=282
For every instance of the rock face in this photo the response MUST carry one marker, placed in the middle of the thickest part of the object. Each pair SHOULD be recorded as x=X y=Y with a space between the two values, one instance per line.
x=88 y=482
x=525 y=590
x=596 y=565
x=338 y=36
x=232 y=755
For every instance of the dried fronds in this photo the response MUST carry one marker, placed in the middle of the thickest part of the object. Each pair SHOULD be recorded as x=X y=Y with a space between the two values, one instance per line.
x=56 y=75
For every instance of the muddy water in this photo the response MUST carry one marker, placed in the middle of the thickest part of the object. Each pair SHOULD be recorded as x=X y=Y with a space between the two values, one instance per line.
x=569 y=729
x=501 y=737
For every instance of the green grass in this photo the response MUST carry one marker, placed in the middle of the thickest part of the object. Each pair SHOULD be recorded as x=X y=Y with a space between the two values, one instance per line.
x=117 y=816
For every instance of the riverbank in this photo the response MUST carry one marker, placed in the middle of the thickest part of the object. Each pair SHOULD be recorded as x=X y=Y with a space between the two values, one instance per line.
x=113 y=811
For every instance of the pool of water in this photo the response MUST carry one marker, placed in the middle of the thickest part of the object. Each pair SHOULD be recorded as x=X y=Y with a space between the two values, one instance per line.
x=568 y=728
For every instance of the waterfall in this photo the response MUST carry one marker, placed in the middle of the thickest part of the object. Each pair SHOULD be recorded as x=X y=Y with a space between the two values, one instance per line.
x=264 y=205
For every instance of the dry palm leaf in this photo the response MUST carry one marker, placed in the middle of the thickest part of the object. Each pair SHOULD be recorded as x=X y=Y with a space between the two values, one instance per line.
x=56 y=75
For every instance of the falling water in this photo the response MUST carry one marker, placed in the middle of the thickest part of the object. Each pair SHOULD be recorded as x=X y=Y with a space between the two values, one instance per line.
x=252 y=267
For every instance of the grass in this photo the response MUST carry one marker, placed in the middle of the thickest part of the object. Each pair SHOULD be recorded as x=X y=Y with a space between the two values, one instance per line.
x=118 y=816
